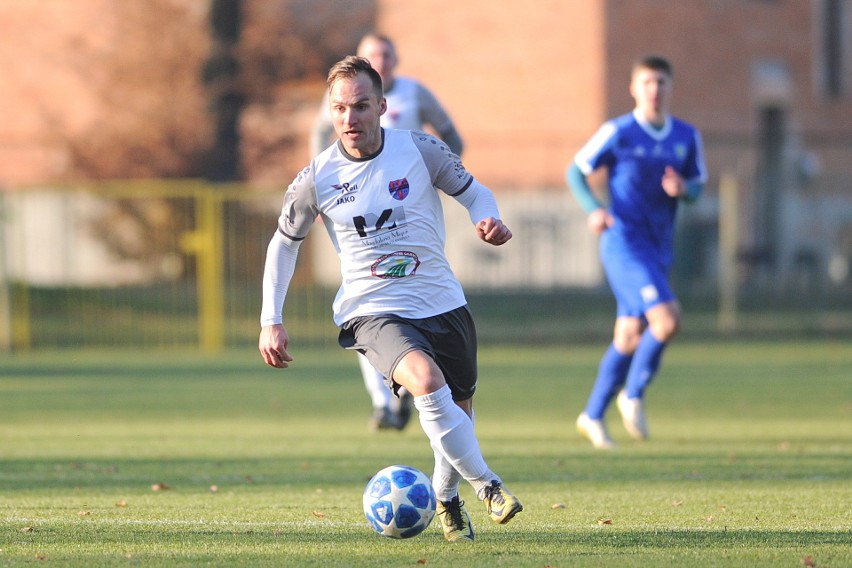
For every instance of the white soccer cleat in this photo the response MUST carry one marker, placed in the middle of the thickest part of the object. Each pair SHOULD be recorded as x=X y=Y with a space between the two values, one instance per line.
x=633 y=415
x=595 y=432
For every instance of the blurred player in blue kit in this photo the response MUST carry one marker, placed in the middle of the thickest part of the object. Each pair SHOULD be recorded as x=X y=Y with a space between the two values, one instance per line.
x=377 y=192
x=653 y=161
x=411 y=106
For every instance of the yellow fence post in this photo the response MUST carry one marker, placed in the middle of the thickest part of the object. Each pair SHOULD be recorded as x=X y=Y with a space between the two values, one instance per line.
x=15 y=328
x=21 y=332
x=207 y=242
x=728 y=243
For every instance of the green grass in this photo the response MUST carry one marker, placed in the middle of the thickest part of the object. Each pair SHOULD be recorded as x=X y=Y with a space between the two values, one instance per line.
x=749 y=464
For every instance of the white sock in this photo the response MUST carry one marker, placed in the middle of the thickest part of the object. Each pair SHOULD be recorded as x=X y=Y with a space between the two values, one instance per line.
x=450 y=432
x=446 y=477
x=445 y=480
x=379 y=392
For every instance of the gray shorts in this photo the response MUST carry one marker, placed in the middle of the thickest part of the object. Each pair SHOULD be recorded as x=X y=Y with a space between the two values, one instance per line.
x=449 y=338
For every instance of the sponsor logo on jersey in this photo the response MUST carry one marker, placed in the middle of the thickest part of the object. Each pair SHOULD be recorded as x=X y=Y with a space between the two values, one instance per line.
x=398 y=189
x=371 y=224
x=398 y=264
x=345 y=187
x=347 y=191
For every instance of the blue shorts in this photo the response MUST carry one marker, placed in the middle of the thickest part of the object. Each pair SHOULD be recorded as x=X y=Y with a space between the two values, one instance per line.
x=638 y=282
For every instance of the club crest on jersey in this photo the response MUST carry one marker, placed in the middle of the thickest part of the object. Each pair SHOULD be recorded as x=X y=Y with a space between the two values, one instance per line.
x=398 y=189
x=399 y=264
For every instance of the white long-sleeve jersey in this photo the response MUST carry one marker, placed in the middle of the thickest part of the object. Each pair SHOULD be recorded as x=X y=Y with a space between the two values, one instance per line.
x=386 y=222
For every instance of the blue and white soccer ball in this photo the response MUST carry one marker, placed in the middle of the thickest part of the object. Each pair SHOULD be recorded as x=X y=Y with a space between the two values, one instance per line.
x=399 y=501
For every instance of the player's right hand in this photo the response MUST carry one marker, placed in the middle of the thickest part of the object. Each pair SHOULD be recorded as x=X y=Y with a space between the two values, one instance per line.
x=273 y=344
x=599 y=221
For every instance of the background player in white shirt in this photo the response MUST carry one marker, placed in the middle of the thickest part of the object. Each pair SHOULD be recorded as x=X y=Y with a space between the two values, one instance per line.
x=411 y=106
x=399 y=303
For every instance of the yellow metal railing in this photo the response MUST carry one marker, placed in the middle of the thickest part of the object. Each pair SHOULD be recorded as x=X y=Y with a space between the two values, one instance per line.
x=206 y=243
x=218 y=284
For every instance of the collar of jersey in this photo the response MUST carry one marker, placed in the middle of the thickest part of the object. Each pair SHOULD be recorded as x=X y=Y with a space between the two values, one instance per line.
x=655 y=133
x=352 y=158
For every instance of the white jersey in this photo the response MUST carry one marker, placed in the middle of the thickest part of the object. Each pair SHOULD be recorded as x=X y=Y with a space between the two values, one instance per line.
x=386 y=222
x=411 y=105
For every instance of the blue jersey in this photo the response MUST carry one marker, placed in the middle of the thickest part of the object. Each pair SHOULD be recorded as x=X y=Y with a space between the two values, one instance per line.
x=636 y=155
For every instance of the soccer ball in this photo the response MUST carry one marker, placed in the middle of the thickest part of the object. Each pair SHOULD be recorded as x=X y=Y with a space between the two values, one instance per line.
x=399 y=501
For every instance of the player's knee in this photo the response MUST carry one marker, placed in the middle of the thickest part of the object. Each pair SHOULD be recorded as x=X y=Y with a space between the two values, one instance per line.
x=666 y=327
x=418 y=373
x=626 y=335
x=626 y=342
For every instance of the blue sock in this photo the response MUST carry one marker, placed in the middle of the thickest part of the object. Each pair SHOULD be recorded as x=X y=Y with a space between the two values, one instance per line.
x=612 y=372
x=646 y=361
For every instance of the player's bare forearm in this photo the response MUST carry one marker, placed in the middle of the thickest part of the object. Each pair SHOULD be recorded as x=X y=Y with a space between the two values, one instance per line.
x=273 y=344
x=493 y=231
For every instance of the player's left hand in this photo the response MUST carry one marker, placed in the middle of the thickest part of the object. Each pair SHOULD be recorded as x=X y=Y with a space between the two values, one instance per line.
x=273 y=343
x=493 y=231
x=673 y=183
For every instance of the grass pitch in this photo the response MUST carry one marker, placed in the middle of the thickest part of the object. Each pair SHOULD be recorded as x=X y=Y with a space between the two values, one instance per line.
x=169 y=459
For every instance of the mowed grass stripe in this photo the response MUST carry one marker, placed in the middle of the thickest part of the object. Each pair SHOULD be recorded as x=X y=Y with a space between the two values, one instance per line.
x=748 y=462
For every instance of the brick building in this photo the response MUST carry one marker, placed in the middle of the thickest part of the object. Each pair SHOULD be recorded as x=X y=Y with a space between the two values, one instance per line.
x=769 y=83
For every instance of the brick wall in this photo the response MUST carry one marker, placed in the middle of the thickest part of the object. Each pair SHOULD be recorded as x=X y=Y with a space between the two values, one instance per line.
x=527 y=83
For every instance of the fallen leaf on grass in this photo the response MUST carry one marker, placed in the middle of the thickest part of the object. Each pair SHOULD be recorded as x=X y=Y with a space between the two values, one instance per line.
x=121 y=503
x=214 y=488
x=677 y=503
x=558 y=506
x=160 y=487
x=28 y=529
x=84 y=513
x=423 y=561
x=41 y=557
x=604 y=521
x=808 y=561
x=319 y=514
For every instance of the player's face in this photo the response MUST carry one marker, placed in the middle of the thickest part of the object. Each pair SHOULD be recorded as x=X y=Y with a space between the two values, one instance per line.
x=651 y=90
x=381 y=56
x=355 y=112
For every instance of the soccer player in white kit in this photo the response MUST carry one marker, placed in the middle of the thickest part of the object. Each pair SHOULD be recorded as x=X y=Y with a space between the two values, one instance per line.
x=399 y=303
x=410 y=106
